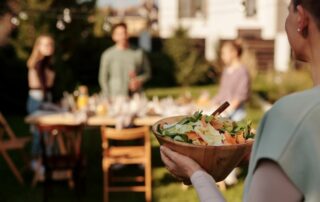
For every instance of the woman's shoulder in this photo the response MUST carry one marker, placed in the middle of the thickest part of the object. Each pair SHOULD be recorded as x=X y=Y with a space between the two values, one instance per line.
x=289 y=114
x=242 y=70
x=288 y=134
x=298 y=102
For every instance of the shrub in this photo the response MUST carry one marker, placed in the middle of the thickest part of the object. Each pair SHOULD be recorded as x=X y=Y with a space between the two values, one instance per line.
x=190 y=64
x=274 y=85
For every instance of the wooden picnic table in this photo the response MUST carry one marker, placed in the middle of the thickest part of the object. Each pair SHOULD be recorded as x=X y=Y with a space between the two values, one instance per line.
x=69 y=119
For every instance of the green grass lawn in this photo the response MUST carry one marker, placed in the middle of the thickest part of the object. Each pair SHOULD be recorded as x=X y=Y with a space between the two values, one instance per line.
x=165 y=188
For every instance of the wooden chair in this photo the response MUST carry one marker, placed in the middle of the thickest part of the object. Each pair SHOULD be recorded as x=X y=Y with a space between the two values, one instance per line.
x=126 y=155
x=12 y=142
x=69 y=157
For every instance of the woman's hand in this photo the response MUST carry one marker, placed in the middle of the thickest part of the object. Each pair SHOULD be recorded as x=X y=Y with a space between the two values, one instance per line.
x=182 y=167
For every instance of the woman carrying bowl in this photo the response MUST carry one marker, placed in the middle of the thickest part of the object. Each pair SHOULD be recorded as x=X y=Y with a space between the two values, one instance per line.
x=285 y=162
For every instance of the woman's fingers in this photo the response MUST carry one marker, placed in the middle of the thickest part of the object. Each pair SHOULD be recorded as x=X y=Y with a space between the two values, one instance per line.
x=175 y=156
x=181 y=164
x=171 y=154
x=167 y=161
x=170 y=165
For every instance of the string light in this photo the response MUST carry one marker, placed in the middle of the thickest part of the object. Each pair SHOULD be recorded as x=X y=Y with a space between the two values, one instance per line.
x=15 y=21
x=63 y=16
x=67 y=15
x=60 y=25
x=23 y=15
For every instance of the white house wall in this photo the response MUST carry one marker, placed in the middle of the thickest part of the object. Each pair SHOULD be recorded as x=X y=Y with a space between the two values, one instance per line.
x=224 y=19
x=168 y=17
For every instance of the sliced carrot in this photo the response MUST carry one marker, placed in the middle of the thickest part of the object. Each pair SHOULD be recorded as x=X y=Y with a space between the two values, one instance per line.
x=239 y=138
x=192 y=135
x=229 y=139
x=196 y=138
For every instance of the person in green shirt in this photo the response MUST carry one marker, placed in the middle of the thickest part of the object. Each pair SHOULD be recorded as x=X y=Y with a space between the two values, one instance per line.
x=123 y=69
x=285 y=161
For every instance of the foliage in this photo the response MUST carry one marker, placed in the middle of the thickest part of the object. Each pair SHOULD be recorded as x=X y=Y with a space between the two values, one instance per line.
x=274 y=85
x=190 y=65
x=100 y=22
x=162 y=74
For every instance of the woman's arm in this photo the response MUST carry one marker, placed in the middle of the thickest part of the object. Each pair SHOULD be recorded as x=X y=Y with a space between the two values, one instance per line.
x=206 y=187
x=270 y=183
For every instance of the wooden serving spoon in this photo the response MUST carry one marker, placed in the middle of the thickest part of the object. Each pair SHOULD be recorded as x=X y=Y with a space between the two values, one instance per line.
x=220 y=109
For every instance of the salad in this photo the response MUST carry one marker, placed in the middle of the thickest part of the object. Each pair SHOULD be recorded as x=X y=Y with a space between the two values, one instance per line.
x=200 y=129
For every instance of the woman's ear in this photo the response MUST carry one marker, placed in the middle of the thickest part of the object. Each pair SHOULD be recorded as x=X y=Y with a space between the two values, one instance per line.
x=302 y=21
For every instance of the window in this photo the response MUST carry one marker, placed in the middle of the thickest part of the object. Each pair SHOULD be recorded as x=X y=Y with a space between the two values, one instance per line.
x=250 y=7
x=192 y=8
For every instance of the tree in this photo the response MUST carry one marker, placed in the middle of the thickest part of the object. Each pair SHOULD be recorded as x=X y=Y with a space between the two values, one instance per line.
x=190 y=65
x=69 y=24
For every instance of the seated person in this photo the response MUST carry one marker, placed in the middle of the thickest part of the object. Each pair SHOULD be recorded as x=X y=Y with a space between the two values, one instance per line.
x=235 y=82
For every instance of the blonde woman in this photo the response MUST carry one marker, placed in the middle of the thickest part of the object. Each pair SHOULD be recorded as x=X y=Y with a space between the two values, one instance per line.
x=40 y=72
x=40 y=80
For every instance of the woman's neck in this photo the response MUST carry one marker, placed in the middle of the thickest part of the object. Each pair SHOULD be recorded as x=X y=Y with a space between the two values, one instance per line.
x=235 y=64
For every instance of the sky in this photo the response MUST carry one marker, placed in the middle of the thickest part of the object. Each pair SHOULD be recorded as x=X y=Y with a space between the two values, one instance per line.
x=118 y=3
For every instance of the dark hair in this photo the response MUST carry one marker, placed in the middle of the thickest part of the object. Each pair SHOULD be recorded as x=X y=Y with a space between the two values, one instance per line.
x=313 y=6
x=121 y=24
x=296 y=3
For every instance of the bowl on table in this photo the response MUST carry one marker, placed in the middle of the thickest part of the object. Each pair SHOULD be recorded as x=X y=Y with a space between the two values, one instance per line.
x=218 y=161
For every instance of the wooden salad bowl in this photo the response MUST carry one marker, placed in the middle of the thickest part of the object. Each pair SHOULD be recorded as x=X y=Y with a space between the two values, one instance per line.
x=218 y=161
